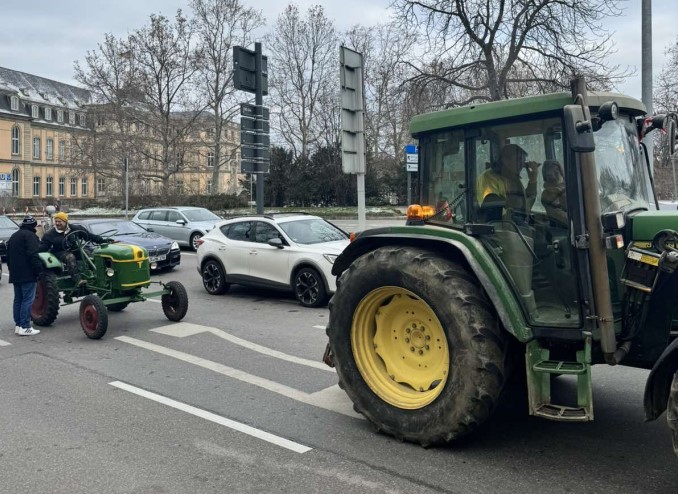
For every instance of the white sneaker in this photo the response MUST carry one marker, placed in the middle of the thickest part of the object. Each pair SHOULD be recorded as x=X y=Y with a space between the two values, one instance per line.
x=27 y=331
x=17 y=329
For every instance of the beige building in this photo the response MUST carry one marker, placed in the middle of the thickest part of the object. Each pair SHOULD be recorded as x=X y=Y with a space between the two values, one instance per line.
x=42 y=126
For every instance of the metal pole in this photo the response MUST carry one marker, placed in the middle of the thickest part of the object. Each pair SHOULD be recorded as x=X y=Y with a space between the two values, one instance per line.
x=259 y=95
x=126 y=188
x=646 y=69
x=409 y=188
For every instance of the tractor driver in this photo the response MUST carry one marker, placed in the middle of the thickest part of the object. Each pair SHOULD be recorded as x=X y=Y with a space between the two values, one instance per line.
x=53 y=241
x=499 y=189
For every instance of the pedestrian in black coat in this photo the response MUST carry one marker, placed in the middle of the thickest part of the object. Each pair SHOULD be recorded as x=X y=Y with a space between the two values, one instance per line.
x=24 y=266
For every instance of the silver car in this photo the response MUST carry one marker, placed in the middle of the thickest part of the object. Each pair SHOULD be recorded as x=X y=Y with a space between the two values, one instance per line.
x=184 y=224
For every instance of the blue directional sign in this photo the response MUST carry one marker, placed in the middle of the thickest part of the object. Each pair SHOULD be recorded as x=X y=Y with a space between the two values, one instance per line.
x=412 y=158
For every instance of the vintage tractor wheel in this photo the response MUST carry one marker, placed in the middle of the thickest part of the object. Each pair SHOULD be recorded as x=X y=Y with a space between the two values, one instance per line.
x=45 y=307
x=309 y=288
x=175 y=303
x=672 y=412
x=417 y=345
x=93 y=316
x=117 y=307
x=214 y=278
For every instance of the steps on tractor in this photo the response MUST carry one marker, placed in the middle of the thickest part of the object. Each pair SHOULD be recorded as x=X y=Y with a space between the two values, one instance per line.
x=539 y=371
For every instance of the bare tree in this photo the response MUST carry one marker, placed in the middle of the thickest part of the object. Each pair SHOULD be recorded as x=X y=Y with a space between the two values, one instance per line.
x=303 y=74
x=220 y=25
x=495 y=49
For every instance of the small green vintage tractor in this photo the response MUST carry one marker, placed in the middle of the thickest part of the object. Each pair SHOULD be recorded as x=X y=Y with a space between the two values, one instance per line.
x=116 y=275
x=534 y=275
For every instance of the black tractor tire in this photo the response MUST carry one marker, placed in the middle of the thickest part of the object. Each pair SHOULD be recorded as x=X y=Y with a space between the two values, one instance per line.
x=175 y=303
x=93 y=317
x=45 y=308
x=417 y=345
x=672 y=412
x=192 y=241
x=214 y=278
x=117 y=307
x=309 y=288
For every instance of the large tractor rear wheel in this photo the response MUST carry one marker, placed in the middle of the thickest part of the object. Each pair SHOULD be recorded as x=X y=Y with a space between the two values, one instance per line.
x=45 y=307
x=672 y=412
x=416 y=345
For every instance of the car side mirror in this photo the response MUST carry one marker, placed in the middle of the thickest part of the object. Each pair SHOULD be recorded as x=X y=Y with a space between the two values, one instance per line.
x=149 y=229
x=181 y=222
x=275 y=242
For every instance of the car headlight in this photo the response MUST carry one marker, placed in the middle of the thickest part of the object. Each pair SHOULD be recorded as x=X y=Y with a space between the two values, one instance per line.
x=330 y=257
x=175 y=246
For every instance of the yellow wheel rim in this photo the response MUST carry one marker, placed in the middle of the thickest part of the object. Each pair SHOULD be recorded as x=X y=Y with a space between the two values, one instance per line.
x=400 y=347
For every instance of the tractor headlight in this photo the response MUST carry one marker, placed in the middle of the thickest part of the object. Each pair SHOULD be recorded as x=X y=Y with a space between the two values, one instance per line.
x=110 y=272
x=175 y=246
x=330 y=257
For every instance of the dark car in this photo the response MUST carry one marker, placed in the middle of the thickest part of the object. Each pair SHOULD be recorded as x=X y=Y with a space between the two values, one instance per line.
x=7 y=228
x=163 y=252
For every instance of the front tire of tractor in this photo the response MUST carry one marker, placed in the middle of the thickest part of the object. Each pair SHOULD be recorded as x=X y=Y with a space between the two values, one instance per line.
x=45 y=308
x=417 y=345
x=93 y=317
x=175 y=303
x=672 y=412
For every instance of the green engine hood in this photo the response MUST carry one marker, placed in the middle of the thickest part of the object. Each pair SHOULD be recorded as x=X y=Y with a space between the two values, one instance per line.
x=645 y=225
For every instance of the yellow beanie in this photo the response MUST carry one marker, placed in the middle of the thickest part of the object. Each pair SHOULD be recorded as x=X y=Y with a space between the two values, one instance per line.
x=61 y=216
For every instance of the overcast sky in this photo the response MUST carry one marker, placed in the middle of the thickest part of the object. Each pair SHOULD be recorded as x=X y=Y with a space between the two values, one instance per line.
x=45 y=37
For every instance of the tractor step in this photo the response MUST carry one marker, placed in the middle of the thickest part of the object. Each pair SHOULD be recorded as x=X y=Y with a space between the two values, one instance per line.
x=539 y=371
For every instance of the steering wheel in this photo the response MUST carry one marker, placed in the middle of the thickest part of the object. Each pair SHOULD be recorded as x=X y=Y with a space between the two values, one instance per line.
x=74 y=239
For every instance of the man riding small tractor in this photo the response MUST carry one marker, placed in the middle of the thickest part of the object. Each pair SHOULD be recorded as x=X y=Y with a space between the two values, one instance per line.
x=555 y=258
x=112 y=277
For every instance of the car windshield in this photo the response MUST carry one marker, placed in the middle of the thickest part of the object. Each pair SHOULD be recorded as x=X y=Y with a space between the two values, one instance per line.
x=200 y=215
x=119 y=227
x=312 y=231
x=623 y=178
x=5 y=222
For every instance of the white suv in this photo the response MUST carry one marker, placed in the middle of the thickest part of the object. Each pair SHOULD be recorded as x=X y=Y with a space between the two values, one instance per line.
x=286 y=251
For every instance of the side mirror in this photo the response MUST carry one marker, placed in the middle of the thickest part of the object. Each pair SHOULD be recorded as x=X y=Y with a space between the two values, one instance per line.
x=181 y=222
x=275 y=242
x=578 y=129
x=149 y=229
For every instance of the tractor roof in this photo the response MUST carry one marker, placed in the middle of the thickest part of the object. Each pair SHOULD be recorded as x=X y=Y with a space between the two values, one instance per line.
x=530 y=105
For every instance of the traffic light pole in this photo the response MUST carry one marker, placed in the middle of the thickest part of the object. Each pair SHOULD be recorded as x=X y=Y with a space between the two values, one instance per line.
x=259 y=101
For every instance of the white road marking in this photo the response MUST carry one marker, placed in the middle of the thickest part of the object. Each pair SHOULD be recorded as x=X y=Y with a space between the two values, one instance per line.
x=320 y=326
x=217 y=419
x=318 y=399
x=183 y=329
x=4 y=343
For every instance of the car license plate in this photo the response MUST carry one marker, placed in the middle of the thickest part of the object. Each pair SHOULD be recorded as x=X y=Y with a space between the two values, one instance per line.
x=157 y=258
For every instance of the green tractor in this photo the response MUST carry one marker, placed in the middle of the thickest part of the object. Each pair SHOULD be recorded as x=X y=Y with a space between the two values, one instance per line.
x=115 y=274
x=432 y=319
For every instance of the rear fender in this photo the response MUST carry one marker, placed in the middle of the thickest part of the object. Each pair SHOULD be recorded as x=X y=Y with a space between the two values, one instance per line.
x=658 y=383
x=455 y=246
x=50 y=261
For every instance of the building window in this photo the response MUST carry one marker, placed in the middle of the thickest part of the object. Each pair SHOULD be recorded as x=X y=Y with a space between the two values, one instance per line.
x=83 y=187
x=60 y=116
x=210 y=159
x=101 y=186
x=48 y=113
x=62 y=150
x=62 y=186
x=83 y=120
x=49 y=186
x=180 y=186
x=14 y=103
x=16 y=140
x=36 y=148
x=49 y=149
x=71 y=118
x=36 y=187
x=35 y=112
x=209 y=186
x=74 y=187
x=15 y=182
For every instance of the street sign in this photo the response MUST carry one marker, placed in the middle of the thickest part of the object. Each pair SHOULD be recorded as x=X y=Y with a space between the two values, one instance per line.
x=5 y=184
x=244 y=70
x=249 y=166
x=251 y=138
x=352 y=111
x=411 y=158
x=254 y=111
x=253 y=152
x=254 y=125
